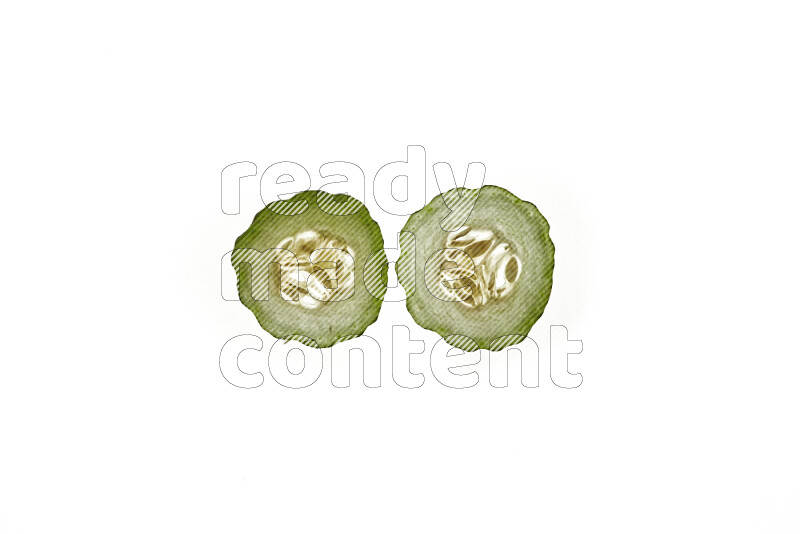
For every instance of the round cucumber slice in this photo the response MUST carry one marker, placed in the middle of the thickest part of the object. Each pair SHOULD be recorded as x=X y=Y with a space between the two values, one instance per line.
x=479 y=277
x=312 y=268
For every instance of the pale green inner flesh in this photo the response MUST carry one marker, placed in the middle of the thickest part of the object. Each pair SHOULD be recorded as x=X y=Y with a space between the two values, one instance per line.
x=351 y=277
x=507 y=312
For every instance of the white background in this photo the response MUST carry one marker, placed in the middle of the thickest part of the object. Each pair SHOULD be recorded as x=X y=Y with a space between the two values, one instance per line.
x=660 y=139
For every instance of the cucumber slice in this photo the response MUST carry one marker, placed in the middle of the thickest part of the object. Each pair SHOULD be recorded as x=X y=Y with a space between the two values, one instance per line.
x=478 y=278
x=312 y=268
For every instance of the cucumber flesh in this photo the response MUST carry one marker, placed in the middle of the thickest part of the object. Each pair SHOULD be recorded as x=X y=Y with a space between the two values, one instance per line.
x=485 y=283
x=312 y=268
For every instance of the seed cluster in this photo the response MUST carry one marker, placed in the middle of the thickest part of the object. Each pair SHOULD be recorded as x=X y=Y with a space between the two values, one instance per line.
x=324 y=269
x=477 y=267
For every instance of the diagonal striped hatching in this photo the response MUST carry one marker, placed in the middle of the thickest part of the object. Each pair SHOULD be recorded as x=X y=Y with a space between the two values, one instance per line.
x=487 y=262
x=460 y=202
x=406 y=263
x=304 y=265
